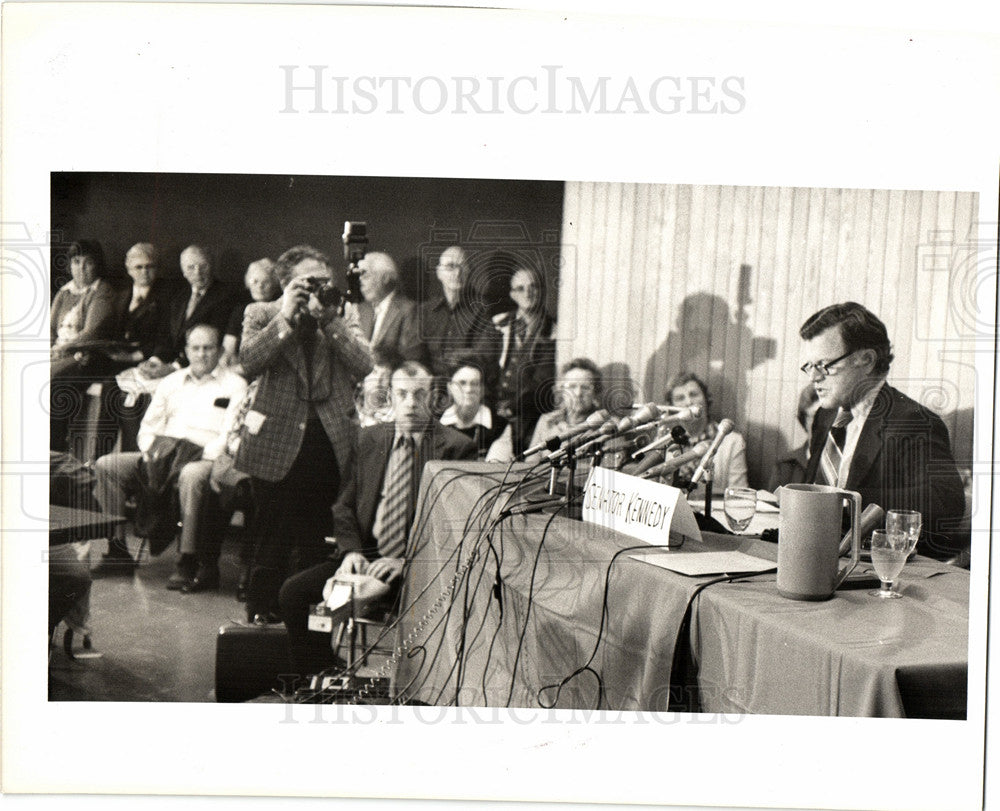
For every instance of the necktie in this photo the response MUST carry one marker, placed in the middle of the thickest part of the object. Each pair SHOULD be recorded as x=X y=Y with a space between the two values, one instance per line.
x=137 y=301
x=833 y=449
x=196 y=296
x=520 y=331
x=395 y=512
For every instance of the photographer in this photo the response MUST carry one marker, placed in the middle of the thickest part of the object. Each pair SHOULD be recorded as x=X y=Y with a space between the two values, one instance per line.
x=298 y=434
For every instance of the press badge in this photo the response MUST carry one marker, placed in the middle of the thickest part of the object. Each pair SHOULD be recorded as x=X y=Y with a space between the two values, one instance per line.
x=254 y=420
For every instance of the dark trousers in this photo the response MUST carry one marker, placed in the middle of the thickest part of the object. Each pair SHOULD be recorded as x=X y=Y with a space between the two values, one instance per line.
x=310 y=650
x=291 y=519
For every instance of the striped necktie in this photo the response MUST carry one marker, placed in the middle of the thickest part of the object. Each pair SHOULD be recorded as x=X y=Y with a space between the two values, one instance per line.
x=833 y=449
x=395 y=512
x=196 y=297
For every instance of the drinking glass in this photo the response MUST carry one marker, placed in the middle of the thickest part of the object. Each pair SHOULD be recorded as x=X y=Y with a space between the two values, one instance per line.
x=889 y=552
x=907 y=522
x=740 y=504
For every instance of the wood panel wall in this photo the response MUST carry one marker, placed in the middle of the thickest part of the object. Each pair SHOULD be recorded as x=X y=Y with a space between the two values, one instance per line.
x=718 y=279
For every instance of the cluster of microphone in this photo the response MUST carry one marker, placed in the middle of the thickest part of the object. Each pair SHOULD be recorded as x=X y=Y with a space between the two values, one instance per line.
x=601 y=434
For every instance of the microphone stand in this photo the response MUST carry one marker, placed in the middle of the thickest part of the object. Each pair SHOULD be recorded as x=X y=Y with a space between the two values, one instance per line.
x=708 y=489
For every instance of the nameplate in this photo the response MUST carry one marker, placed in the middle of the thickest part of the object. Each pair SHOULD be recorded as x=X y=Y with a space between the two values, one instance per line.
x=648 y=511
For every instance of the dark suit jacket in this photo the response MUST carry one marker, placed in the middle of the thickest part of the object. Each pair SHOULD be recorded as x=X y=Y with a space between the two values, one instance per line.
x=146 y=324
x=525 y=381
x=475 y=335
x=214 y=308
x=354 y=510
x=903 y=461
x=400 y=334
x=287 y=391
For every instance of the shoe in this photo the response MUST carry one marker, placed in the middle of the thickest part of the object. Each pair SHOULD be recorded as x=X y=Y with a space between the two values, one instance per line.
x=263 y=618
x=206 y=579
x=115 y=562
x=184 y=574
x=241 y=587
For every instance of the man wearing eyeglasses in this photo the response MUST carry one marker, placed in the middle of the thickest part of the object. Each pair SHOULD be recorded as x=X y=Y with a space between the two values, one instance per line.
x=457 y=323
x=873 y=439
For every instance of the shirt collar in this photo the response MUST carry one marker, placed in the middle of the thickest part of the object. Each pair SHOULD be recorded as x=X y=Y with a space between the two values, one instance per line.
x=383 y=305
x=213 y=375
x=79 y=291
x=417 y=437
x=483 y=417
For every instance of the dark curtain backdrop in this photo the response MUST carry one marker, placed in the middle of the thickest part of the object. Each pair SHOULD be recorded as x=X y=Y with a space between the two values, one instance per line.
x=244 y=217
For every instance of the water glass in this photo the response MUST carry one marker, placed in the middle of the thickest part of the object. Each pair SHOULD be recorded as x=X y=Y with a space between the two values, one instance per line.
x=907 y=522
x=889 y=553
x=740 y=505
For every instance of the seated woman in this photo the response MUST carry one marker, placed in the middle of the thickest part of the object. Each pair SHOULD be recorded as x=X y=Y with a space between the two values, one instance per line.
x=467 y=412
x=730 y=464
x=579 y=393
x=262 y=285
x=82 y=311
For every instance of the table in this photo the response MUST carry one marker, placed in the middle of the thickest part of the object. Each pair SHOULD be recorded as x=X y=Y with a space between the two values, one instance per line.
x=69 y=524
x=547 y=611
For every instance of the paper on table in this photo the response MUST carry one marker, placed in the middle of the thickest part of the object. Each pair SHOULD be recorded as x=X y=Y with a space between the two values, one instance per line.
x=695 y=564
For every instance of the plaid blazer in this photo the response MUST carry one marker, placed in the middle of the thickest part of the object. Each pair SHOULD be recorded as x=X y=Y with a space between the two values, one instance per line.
x=273 y=428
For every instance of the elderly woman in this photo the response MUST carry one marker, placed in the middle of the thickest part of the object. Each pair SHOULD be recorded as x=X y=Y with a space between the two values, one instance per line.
x=467 y=412
x=262 y=285
x=82 y=311
x=579 y=393
x=730 y=464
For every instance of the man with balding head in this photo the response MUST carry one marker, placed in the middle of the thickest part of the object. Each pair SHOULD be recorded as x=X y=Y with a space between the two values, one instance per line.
x=207 y=301
x=386 y=319
x=457 y=323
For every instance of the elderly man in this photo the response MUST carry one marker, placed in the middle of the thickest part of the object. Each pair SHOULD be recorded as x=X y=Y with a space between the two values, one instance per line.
x=145 y=304
x=871 y=438
x=457 y=323
x=527 y=362
x=386 y=319
x=189 y=404
x=208 y=302
x=372 y=516
x=298 y=435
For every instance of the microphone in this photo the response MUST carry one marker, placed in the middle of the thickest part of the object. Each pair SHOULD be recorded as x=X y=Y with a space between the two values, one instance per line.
x=689 y=413
x=592 y=422
x=680 y=436
x=613 y=428
x=649 y=460
x=677 y=462
x=725 y=428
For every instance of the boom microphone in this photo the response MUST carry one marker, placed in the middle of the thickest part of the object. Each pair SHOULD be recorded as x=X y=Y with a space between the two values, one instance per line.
x=725 y=428
x=593 y=421
x=613 y=428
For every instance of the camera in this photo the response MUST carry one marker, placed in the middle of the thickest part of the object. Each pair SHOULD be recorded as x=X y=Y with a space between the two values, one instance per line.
x=355 y=239
x=326 y=292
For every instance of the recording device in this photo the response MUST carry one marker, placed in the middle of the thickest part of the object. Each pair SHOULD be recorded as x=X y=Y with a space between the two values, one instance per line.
x=685 y=414
x=593 y=421
x=612 y=428
x=725 y=428
x=355 y=239
x=326 y=292
x=680 y=436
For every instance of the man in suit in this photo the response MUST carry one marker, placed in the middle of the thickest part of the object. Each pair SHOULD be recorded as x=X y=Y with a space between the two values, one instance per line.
x=209 y=302
x=386 y=319
x=871 y=438
x=457 y=323
x=297 y=438
x=373 y=515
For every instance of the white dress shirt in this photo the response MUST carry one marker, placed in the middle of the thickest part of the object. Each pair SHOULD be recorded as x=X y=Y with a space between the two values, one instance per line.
x=859 y=415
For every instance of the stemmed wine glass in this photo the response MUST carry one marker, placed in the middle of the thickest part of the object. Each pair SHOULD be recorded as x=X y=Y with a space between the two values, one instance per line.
x=889 y=552
x=740 y=505
x=907 y=522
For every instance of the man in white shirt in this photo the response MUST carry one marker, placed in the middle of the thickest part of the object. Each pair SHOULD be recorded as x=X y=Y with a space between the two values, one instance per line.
x=189 y=404
x=386 y=319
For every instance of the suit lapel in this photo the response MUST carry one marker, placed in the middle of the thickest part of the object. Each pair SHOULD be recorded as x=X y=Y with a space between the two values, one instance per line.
x=392 y=315
x=373 y=458
x=870 y=442
x=821 y=427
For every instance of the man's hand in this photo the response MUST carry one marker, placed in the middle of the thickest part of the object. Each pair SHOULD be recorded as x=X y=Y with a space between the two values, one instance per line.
x=353 y=563
x=294 y=299
x=323 y=315
x=386 y=569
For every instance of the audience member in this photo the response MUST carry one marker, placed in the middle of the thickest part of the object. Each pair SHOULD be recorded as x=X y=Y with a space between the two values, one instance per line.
x=729 y=468
x=298 y=436
x=456 y=323
x=871 y=438
x=386 y=319
x=371 y=399
x=209 y=302
x=579 y=394
x=372 y=516
x=467 y=412
x=188 y=406
x=527 y=358
x=262 y=285
x=82 y=311
x=791 y=468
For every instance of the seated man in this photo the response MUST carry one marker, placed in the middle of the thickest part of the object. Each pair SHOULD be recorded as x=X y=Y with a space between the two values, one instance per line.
x=386 y=319
x=373 y=514
x=189 y=404
x=871 y=438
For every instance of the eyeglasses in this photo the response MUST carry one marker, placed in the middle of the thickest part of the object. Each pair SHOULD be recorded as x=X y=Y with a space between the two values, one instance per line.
x=523 y=288
x=449 y=265
x=825 y=367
